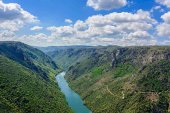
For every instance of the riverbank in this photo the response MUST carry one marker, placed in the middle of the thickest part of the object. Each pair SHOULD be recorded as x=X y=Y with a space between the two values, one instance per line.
x=73 y=99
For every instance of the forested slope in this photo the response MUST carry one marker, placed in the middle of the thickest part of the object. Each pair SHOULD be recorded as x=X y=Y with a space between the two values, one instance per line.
x=27 y=81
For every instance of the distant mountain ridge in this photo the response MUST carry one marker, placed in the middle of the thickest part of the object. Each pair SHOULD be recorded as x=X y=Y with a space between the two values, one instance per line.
x=54 y=48
x=65 y=56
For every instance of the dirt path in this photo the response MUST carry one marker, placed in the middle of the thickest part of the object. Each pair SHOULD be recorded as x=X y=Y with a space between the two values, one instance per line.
x=123 y=95
x=109 y=91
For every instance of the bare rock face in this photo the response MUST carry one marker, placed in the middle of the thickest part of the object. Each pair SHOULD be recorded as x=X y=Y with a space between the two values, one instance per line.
x=117 y=53
x=155 y=56
x=139 y=56
x=114 y=58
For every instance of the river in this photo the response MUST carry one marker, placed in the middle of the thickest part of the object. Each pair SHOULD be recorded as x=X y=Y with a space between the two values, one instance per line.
x=73 y=99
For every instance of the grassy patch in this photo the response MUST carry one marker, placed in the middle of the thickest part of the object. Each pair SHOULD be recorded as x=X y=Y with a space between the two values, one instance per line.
x=97 y=71
x=122 y=70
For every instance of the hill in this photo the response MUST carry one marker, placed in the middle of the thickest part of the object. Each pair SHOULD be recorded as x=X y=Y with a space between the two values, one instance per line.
x=120 y=79
x=66 y=56
x=29 y=57
x=27 y=81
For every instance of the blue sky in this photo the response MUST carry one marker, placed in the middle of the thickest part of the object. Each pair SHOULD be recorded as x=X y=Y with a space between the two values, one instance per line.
x=47 y=19
x=56 y=11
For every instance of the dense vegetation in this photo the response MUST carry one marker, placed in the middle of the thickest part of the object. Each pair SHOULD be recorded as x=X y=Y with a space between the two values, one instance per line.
x=67 y=56
x=119 y=80
x=27 y=81
x=29 y=57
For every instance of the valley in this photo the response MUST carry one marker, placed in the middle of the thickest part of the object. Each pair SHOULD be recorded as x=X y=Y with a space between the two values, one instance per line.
x=27 y=81
x=109 y=79
x=73 y=99
x=119 y=79
x=84 y=56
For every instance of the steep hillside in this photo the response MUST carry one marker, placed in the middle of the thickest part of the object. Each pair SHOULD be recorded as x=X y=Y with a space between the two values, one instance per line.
x=123 y=80
x=23 y=87
x=69 y=55
x=29 y=57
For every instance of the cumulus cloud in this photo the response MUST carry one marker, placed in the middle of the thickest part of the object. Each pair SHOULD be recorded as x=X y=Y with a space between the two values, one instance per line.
x=45 y=40
x=157 y=8
x=6 y=35
x=123 y=42
x=13 y=17
x=163 y=28
x=111 y=29
x=109 y=25
x=36 y=28
x=68 y=21
x=166 y=17
x=63 y=31
x=39 y=39
x=115 y=28
x=139 y=35
x=164 y=2
x=80 y=26
x=106 y=4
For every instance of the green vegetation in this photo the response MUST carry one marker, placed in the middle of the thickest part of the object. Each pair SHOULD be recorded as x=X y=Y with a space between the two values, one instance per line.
x=156 y=77
x=68 y=56
x=122 y=70
x=29 y=57
x=97 y=71
x=23 y=87
x=123 y=80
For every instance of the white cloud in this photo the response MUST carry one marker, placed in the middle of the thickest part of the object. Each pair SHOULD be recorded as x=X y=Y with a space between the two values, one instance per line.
x=164 y=2
x=123 y=17
x=163 y=28
x=45 y=40
x=36 y=28
x=6 y=35
x=63 y=31
x=157 y=8
x=138 y=35
x=80 y=26
x=68 y=21
x=106 y=4
x=109 y=25
x=123 y=42
x=112 y=29
x=122 y=28
x=166 y=17
x=13 y=17
x=165 y=42
x=40 y=39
